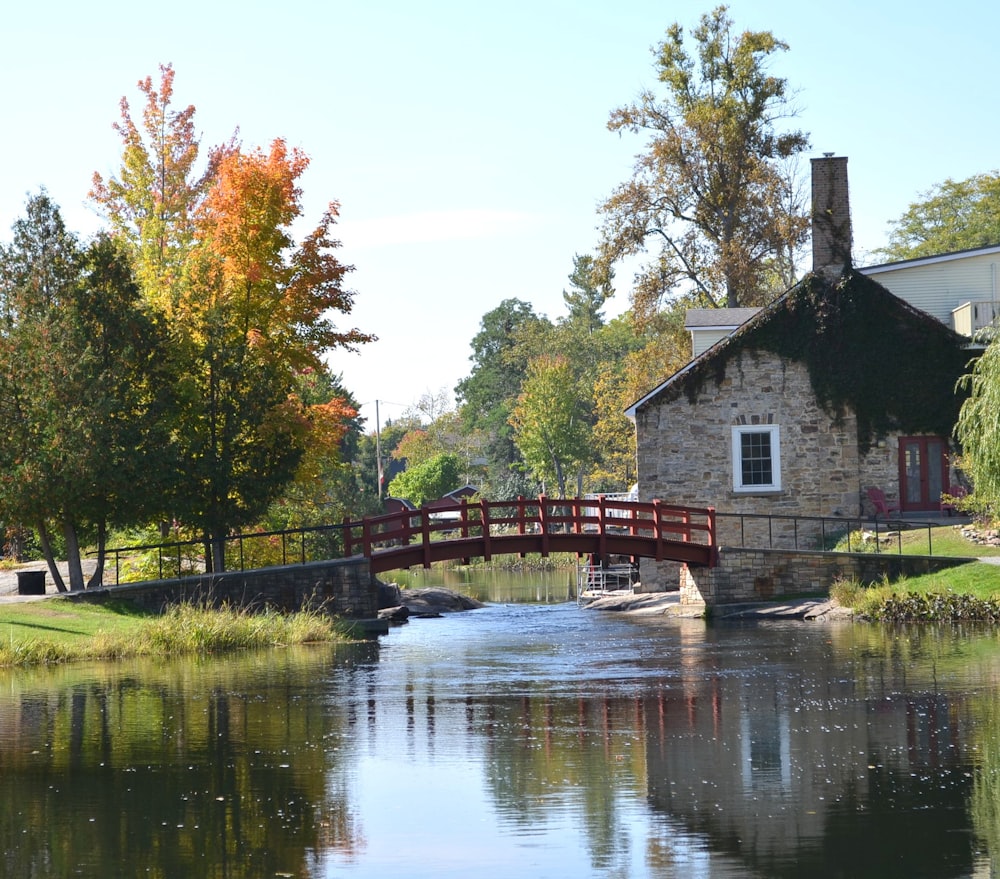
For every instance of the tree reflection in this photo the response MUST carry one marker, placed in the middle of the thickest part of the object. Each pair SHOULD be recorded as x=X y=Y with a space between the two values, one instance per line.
x=544 y=751
x=196 y=768
x=985 y=801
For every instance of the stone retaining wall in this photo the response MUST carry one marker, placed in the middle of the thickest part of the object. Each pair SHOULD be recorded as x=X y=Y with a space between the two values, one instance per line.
x=744 y=575
x=344 y=587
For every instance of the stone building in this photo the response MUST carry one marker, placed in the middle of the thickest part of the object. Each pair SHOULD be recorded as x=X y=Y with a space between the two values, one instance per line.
x=836 y=387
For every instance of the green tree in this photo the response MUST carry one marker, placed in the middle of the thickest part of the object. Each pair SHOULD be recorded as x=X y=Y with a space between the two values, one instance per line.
x=951 y=216
x=486 y=397
x=428 y=481
x=596 y=352
x=550 y=424
x=323 y=490
x=715 y=187
x=587 y=294
x=83 y=390
x=978 y=428
x=366 y=467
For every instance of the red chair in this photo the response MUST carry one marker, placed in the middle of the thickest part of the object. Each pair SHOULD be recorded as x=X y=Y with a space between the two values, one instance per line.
x=882 y=508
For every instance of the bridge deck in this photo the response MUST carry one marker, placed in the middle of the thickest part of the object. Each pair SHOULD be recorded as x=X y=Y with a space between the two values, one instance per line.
x=585 y=526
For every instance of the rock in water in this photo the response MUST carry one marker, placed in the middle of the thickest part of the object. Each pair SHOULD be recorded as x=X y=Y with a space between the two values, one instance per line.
x=436 y=600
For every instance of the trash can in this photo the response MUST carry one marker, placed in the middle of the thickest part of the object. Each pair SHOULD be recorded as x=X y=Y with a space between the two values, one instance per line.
x=31 y=582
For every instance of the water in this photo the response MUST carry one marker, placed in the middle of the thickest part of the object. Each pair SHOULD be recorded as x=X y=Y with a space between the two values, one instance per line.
x=527 y=740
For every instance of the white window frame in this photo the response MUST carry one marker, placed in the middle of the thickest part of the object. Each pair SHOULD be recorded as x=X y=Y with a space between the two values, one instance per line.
x=739 y=432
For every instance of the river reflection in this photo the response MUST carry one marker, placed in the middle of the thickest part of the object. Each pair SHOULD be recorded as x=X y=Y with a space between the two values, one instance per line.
x=518 y=740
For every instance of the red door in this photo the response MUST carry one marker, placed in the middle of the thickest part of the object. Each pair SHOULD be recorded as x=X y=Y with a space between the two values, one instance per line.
x=923 y=466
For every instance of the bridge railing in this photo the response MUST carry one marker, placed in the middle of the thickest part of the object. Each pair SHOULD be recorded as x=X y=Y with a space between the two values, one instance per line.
x=484 y=520
x=542 y=515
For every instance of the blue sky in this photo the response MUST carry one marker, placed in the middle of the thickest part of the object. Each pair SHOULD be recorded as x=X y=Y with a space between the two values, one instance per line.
x=467 y=142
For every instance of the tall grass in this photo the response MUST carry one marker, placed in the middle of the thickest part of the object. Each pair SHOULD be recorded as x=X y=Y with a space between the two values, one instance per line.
x=965 y=592
x=183 y=629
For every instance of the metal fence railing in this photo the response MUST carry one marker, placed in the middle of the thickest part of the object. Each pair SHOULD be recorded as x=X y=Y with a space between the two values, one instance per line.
x=818 y=533
x=180 y=558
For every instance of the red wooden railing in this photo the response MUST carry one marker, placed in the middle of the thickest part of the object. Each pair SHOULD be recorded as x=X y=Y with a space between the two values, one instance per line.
x=601 y=526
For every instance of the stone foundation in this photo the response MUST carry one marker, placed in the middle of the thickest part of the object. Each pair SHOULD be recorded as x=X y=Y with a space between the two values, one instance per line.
x=344 y=587
x=747 y=575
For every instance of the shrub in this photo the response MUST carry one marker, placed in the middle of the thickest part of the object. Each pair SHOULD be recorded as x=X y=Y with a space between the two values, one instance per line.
x=859 y=541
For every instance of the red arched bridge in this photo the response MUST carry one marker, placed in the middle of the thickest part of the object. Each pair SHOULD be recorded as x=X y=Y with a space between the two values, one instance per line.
x=586 y=526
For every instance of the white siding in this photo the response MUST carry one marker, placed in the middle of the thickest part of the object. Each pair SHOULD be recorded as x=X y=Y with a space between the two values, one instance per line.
x=939 y=285
x=703 y=338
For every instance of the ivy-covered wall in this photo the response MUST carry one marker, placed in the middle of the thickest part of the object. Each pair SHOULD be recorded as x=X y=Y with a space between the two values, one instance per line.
x=868 y=353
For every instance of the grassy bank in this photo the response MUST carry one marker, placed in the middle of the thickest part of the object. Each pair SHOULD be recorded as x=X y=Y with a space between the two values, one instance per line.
x=59 y=630
x=966 y=592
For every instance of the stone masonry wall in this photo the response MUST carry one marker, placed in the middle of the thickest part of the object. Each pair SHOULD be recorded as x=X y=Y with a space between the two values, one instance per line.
x=684 y=452
x=344 y=587
x=880 y=469
x=684 y=455
x=747 y=575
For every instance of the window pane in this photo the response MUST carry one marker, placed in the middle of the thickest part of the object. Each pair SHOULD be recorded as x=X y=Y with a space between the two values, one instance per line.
x=755 y=456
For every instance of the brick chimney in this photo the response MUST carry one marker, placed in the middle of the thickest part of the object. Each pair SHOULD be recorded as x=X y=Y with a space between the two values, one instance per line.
x=831 y=216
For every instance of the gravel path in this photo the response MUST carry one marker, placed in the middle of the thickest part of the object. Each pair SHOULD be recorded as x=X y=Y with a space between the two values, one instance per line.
x=8 y=579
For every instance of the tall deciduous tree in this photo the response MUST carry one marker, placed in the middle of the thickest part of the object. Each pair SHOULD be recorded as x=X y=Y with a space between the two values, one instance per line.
x=248 y=307
x=550 y=423
x=487 y=395
x=256 y=309
x=82 y=390
x=151 y=202
x=954 y=215
x=713 y=195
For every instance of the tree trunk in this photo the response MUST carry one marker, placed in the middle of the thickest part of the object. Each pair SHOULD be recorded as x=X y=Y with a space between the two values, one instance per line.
x=218 y=547
x=73 y=557
x=43 y=538
x=560 y=476
x=97 y=578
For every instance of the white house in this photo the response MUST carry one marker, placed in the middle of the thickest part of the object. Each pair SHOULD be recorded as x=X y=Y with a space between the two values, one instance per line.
x=959 y=289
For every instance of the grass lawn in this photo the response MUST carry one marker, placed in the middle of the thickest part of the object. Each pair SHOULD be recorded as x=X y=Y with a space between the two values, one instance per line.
x=979 y=579
x=944 y=540
x=66 y=622
x=60 y=630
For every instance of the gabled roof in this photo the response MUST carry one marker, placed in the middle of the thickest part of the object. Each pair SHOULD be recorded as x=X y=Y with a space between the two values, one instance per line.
x=717 y=318
x=396 y=504
x=892 y=363
x=454 y=496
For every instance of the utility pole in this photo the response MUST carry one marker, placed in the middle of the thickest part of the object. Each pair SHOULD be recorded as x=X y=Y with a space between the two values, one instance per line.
x=378 y=453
